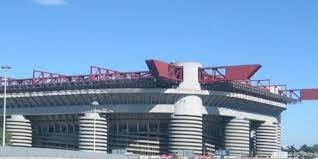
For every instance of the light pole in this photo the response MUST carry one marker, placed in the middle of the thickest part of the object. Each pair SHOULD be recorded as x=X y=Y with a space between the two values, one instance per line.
x=5 y=68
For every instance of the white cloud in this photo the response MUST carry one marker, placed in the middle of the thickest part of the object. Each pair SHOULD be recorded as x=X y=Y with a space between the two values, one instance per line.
x=51 y=2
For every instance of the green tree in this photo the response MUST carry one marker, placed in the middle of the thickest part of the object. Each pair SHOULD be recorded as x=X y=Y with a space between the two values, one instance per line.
x=315 y=148
x=291 y=149
x=306 y=148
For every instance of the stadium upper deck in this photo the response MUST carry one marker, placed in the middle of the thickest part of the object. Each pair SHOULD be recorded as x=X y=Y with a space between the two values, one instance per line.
x=162 y=75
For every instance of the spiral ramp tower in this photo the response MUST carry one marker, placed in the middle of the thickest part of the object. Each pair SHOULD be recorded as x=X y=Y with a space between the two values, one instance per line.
x=20 y=131
x=266 y=139
x=237 y=137
x=92 y=133
x=279 y=137
x=186 y=122
x=186 y=133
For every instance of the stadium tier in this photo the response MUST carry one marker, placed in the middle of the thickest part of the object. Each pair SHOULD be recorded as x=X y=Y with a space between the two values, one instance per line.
x=172 y=107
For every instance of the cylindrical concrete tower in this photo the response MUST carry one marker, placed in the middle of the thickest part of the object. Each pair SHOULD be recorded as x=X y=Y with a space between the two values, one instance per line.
x=237 y=137
x=186 y=125
x=20 y=131
x=190 y=75
x=186 y=122
x=266 y=139
x=92 y=133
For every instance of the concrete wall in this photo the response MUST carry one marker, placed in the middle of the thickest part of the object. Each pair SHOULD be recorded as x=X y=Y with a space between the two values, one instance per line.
x=37 y=153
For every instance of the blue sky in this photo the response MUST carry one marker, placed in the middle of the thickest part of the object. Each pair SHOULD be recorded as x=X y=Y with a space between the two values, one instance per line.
x=67 y=36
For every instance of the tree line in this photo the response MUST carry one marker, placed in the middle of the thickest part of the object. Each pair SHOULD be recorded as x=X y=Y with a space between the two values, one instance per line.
x=303 y=148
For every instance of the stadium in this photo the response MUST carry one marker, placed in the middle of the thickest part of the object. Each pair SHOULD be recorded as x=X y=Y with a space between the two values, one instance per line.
x=171 y=107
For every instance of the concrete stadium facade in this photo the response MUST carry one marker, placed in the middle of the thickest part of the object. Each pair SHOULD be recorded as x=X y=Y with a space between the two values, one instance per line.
x=146 y=119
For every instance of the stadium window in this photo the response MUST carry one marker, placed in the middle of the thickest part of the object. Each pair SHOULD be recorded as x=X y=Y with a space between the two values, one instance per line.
x=70 y=129
x=153 y=127
x=163 y=127
x=122 y=127
x=51 y=128
x=132 y=127
x=143 y=126
x=64 y=128
x=57 y=128
x=76 y=128
x=113 y=127
x=39 y=129
x=44 y=129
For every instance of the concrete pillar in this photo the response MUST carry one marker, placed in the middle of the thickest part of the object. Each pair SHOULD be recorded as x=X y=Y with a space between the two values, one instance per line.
x=237 y=137
x=190 y=75
x=186 y=122
x=266 y=139
x=92 y=133
x=186 y=125
x=20 y=131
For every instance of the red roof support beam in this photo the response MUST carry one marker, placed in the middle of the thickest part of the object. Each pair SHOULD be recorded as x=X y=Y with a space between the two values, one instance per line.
x=309 y=94
x=165 y=70
x=301 y=94
x=241 y=72
x=97 y=73
x=40 y=77
x=101 y=70
x=228 y=73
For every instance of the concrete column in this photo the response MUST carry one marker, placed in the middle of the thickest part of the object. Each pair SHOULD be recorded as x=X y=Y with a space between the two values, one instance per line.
x=190 y=75
x=186 y=122
x=237 y=137
x=186 y=125
x=266 y=139
x=92 y=133
x=20 y=131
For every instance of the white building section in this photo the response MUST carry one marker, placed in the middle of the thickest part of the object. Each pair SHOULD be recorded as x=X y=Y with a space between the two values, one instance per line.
x=190 y=75
x=186 y=125
x=20 y=131
x=266 y=139
x=237 y=137
x=92 y=133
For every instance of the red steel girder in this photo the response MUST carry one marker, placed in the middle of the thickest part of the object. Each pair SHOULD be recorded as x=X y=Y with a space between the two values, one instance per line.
x=100 y=73
x=309 y=94
x=227 y=73
x=241 y=72
x=121 y=75
x=96 y=73
x=41 y=77
x=302 y=94
x=165 y=70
